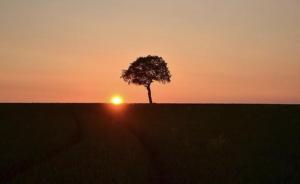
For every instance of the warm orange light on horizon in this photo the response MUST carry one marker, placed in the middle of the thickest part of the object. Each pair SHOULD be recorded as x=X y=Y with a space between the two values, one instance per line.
x=117 y=100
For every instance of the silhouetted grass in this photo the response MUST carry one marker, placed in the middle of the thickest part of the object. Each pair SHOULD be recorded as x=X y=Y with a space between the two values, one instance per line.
x=97 y=143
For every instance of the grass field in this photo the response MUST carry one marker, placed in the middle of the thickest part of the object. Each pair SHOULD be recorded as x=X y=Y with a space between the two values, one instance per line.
x=98 y=143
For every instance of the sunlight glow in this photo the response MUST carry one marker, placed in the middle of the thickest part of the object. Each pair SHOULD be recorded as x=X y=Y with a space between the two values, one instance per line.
x=116 y=100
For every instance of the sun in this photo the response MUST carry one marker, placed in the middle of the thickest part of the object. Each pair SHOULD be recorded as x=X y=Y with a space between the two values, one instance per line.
x=117 y=100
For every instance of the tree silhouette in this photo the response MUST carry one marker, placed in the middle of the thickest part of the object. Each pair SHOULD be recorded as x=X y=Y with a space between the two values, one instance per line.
x=146 y=70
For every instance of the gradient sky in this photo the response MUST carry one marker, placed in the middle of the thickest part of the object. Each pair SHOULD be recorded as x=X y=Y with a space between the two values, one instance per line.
x=219 y=51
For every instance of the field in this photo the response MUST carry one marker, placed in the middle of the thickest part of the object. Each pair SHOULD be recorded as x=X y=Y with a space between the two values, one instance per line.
x=139 y=143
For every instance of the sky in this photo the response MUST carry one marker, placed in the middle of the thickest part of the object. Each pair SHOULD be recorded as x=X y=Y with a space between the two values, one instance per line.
x=233 y=51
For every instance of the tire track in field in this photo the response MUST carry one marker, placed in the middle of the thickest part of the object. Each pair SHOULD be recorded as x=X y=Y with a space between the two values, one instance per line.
x=20 y=167
x=159 y=175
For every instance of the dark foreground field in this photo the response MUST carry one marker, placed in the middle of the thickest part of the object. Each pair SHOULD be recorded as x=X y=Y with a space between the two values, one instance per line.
x=97 y=143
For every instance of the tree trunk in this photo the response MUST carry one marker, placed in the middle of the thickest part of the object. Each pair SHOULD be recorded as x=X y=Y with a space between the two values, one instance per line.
x=149 y=94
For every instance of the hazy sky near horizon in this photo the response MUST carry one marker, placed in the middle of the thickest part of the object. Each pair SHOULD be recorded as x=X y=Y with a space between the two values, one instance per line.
x=233 y=51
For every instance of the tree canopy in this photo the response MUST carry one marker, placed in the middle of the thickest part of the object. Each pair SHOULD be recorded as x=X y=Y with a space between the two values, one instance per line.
x=147 y=69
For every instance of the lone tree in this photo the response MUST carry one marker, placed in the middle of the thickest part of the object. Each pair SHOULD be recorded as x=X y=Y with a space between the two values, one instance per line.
x=146 y=70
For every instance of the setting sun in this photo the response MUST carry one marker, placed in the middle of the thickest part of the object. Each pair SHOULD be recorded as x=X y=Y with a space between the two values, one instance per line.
x=116 y=100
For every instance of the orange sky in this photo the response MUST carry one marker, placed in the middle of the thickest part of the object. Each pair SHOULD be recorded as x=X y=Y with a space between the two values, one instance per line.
x=218 y=51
